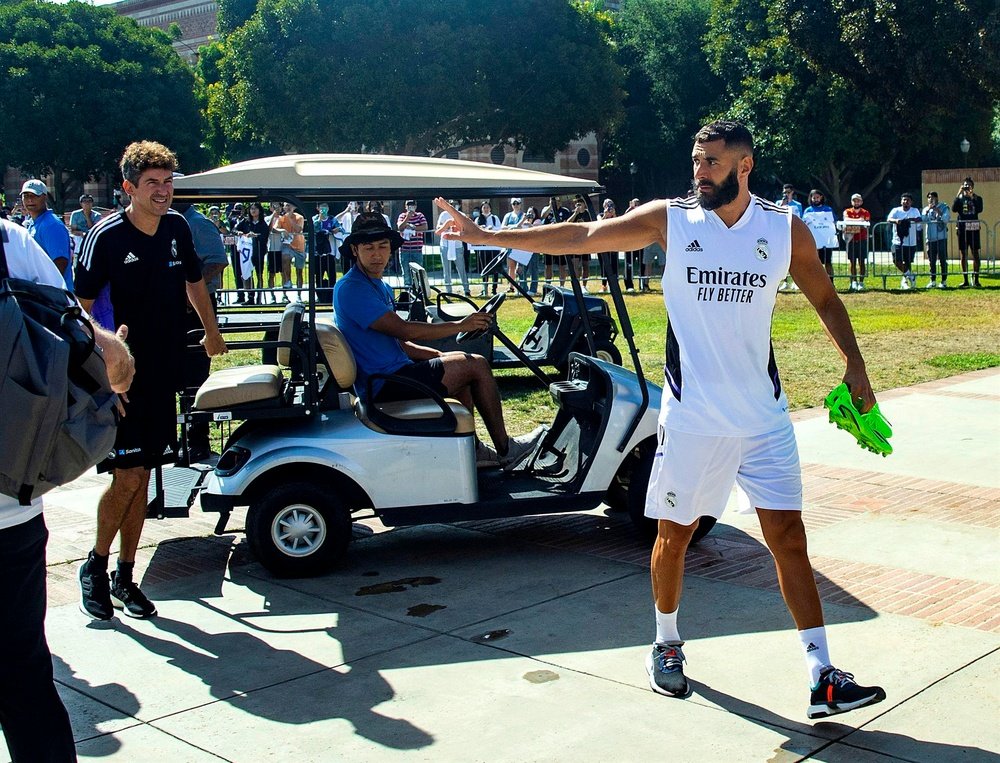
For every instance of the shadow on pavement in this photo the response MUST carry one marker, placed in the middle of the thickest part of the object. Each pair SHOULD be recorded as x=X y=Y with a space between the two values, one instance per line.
x=87 y=713
x=841 y=735
x=491 y=581
x=331 y=694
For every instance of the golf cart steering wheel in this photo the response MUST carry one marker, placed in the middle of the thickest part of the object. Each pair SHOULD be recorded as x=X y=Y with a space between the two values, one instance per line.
x=489 y=308
x=495 y=265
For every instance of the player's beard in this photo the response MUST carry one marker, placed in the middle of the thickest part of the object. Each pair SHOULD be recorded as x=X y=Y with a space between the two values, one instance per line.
x=721 y=194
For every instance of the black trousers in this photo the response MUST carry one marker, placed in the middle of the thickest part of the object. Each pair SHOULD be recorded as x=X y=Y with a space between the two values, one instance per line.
x=326 y=277
x=34 y=720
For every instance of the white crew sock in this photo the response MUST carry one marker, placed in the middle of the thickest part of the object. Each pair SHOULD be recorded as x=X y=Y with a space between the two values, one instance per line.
x=816 y=651
x=666 y=627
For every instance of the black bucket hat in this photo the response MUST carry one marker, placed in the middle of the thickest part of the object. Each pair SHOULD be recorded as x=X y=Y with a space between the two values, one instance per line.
x=370 y=226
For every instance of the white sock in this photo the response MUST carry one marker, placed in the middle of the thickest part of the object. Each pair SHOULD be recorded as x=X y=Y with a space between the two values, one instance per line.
x=666 y=627
x=816 y=651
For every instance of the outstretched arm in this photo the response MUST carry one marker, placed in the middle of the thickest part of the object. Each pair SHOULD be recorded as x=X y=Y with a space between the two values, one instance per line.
x=809 y=274
x=646 y=225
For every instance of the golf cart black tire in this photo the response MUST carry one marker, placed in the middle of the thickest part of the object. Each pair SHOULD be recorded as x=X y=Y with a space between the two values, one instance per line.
x=315 y=503
x=636 y=499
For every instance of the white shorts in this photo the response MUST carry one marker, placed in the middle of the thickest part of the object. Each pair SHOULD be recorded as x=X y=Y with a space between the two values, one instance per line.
x=693 y=474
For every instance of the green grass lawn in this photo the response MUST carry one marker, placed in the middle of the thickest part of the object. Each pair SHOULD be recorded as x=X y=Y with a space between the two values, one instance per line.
x=906 y=338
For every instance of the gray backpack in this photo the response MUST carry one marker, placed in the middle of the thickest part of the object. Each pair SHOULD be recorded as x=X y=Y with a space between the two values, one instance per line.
x=57 y=411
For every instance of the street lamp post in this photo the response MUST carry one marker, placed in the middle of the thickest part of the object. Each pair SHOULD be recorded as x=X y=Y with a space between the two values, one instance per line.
x=633 y=169
x=964 y=146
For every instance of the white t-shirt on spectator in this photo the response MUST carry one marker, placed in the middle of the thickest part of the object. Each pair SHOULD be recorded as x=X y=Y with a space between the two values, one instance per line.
x=450 y=248
x=28 y=261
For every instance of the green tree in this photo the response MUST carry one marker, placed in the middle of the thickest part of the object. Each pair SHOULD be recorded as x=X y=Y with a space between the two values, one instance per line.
x=78 y=83
x=922 y=60
x=815 y=118
x=404 y=76
x=670 y=90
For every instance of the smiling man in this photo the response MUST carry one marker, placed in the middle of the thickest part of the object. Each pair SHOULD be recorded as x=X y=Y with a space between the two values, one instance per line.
x=724 y=417
x=146 y=255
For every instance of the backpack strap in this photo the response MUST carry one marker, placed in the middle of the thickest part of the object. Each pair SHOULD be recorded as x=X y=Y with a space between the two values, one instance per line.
x=4 y=271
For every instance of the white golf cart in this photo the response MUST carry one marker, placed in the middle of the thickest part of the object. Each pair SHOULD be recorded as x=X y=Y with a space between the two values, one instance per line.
x=310 y=456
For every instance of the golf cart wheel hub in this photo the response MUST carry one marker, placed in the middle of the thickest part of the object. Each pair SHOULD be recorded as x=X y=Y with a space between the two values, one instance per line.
x=299 y=530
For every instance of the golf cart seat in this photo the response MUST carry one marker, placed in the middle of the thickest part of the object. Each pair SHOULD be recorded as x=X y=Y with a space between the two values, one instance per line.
x=257 y=385
x=449 y=306
x=433 y=415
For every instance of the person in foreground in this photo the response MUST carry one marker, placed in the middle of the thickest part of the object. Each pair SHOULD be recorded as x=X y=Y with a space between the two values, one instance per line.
x=724 y=417
x=384 y=343
x=33 y=718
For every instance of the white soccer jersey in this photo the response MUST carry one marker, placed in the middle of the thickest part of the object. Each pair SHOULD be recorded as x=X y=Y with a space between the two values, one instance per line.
x=719 y=286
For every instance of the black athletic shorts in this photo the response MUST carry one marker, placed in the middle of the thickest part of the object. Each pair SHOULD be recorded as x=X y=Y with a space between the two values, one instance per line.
x=857 y=250
x=427 y=372
x=273 y=262
x=147 y=434
x=903 y=255
x=825 y=255
x=968 y=239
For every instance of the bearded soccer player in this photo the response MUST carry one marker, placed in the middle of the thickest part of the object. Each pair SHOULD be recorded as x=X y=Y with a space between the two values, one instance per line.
x=724 y=416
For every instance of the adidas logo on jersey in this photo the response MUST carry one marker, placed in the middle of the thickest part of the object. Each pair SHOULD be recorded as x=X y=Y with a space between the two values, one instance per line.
x=694 y=246
x=129 y=258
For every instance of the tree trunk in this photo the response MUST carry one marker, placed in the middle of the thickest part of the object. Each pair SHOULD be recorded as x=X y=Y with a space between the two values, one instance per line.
x=57 y=191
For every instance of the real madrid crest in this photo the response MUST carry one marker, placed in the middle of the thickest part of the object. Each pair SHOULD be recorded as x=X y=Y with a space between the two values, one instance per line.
x=762 y=250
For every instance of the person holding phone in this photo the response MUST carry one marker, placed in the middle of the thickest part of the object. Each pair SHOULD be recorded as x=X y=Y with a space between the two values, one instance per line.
x=581 y=262
x=968 y=206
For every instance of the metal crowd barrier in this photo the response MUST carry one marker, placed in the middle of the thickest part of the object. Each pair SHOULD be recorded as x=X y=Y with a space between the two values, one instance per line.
x=880 y=267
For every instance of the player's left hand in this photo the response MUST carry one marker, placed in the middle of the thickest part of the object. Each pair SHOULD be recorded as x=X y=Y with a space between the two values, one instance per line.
x=862 y=394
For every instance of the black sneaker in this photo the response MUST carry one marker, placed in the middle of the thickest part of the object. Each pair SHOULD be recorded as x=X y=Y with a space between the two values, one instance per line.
x=665 y=669
x=95 y=593
x=125 y=595
x=838 y=692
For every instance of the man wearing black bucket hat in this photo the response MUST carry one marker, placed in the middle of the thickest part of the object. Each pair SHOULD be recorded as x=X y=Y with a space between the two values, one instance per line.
x=385 y=343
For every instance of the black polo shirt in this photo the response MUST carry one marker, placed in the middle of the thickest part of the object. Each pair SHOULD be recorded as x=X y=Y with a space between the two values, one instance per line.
x=147 y=276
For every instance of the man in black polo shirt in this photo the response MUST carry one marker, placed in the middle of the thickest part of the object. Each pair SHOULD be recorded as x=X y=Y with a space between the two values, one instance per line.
x=146 y=255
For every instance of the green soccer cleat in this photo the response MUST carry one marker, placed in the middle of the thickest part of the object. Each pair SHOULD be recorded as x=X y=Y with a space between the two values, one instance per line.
x=871 y=429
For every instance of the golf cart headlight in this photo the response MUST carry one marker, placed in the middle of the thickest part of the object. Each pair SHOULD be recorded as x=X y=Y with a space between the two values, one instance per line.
x=234 y=459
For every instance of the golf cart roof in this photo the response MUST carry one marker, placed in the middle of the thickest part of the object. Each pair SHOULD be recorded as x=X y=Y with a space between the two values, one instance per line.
x=315 y=177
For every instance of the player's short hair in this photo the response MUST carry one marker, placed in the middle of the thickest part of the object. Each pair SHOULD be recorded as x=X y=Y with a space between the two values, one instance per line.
x=733 y=134
x=146 y=155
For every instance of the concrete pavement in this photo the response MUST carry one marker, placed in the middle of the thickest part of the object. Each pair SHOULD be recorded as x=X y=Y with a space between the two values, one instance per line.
x=524 y=640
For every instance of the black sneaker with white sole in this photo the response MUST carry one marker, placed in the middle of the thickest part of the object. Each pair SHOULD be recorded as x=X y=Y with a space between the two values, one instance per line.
x=95 y=591
x=126 y=596
x=665 y=668
x=838 y=692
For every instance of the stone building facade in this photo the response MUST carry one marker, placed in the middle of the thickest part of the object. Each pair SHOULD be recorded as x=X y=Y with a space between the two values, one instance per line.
x=197 y=19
